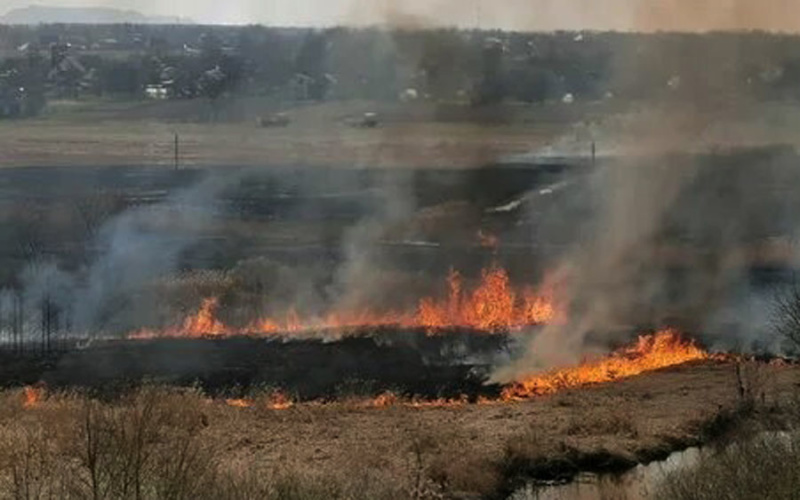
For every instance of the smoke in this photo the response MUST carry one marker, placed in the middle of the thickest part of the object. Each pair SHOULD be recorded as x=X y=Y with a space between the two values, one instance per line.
x=548 y=15
x=673 y=240
x=133 y=249
x=620 y=272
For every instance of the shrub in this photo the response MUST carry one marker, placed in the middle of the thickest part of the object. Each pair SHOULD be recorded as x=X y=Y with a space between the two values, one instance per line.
x=766 y=467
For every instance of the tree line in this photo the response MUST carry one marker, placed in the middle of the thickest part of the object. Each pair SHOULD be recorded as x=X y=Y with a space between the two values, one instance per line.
x=474 y=67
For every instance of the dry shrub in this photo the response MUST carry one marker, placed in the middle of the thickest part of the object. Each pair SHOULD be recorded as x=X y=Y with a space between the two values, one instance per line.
x=147 y=446
x=461 y=473
x=530 y=445
x=422 y=448
x=30 y=464
x=244 y=483
x=151 y=445
x=766 y=467
x=754 y=381
x=294 y=487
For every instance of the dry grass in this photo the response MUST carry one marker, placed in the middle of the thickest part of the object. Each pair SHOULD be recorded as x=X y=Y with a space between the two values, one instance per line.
x=607 y=421
x=108 y=133
x=116 y=142
x=765 y=467
x=176 y=444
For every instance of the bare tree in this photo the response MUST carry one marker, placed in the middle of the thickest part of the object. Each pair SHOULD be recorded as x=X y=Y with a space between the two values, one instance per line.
x=786 y=315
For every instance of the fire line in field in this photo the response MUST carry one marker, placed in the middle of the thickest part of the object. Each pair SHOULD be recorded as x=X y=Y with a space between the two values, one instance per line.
x=649 y=353
x=494 y=305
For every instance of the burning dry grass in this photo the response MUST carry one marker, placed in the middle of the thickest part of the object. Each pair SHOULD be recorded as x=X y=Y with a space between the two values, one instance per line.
x=650 y=352
x=493 y=305
x=169 y=443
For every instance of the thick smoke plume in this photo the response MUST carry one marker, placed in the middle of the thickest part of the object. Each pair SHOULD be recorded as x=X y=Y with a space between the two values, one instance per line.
x=131 y=251
x=672 y=240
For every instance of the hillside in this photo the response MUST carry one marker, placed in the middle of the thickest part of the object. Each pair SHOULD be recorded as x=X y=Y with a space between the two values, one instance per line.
x=38 y=14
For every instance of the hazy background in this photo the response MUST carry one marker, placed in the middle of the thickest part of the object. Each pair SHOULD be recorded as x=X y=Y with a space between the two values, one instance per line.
x=644 y=15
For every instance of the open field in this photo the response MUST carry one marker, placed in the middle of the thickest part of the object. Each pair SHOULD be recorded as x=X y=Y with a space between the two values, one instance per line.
x=282 y=234
x=108 y=133
x=129 y=134
x=357 y=448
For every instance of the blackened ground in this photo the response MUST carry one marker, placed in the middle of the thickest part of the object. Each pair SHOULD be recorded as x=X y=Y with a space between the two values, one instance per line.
x=408 y=363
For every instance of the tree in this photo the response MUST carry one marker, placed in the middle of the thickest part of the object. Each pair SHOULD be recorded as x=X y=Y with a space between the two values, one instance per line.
x=786 y=316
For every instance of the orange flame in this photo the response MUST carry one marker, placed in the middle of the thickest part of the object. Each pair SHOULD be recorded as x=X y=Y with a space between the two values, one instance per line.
x=384 y=400
x=205 y=320
x=203 y=323
x=279 y=401
x=276 y=401
x=493 y=306
x=389 y=399
x=239 y=403
x=32 y=396
x=649 y=353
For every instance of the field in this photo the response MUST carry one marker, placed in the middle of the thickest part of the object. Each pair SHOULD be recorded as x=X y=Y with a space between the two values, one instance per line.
x=126 y=134
x=365 y=448
x=442 y=135
x=322 y=216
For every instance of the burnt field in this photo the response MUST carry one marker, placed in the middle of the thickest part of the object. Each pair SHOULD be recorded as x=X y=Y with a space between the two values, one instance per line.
x=276 y=239
x=56 y=212
x=269 y=238
x=285 y=327
x=410 y=364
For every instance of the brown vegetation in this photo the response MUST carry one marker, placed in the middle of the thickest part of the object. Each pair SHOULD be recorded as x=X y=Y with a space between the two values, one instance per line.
x=169 y=443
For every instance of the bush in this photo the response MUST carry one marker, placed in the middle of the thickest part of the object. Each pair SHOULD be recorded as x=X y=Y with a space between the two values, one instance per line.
x=766 y=467
x=150 y=446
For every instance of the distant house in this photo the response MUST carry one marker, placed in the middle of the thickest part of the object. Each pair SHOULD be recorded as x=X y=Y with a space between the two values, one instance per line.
x=158 y=92
x=67 y=75
x=11 y=101
x=301 y=86
x=306 y=88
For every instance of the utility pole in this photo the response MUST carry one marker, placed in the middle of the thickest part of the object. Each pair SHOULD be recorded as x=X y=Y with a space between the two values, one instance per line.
x=47 y=324
x=177 y=152
x=594 y=153
x=19 y=321
x=2 y=322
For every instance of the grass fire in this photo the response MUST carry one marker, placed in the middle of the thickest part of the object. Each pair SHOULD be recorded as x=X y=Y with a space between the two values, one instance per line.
x=493 y=306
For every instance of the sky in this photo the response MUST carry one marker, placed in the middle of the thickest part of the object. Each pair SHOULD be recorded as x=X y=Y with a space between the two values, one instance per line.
x=639 y=15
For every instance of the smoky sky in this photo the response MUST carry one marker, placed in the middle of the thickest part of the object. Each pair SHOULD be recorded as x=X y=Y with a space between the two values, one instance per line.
x=623 y=15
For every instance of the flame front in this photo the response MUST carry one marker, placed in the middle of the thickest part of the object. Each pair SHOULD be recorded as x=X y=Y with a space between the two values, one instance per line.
x=239 y=403
x=32 y=396
x=649 y=353
x=492 y=306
